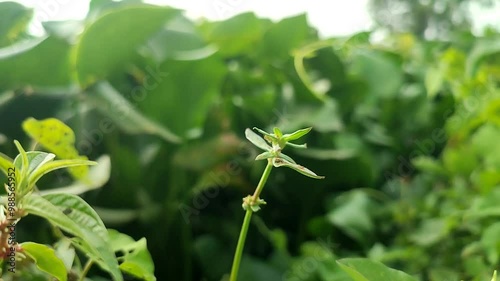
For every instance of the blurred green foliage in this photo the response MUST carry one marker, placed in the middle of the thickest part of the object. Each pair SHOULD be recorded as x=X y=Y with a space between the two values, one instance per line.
x=405 y=130
x=429 y=18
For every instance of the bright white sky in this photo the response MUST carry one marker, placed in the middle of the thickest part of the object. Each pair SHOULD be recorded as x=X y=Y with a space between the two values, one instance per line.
x=332 y=18
x=341 y=18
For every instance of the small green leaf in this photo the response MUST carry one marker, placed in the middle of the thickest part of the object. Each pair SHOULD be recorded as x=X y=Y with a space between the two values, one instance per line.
x=297 y=145
x=66 y=252
x=287 y=158
x=24 y=163
x=266 y=134
x=55 y=165
x=297 y=134
x=45 y=259
x=265 y=155
x=58 y=138
x=366 y=270
x=280 y=162
x=5 y=163
x=119 y=241
x=277 y=132
x=136 y=259
x=257 y=140
x=97 y=177
x=136 y=270
x=494 y=278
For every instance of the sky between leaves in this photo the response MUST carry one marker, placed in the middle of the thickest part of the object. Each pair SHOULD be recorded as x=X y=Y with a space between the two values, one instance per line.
x=332 y=18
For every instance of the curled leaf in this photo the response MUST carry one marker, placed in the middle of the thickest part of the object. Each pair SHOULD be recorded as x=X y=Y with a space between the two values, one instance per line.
x=257 y=140
x=265 y=155
x=297 y=134
x=280 y=162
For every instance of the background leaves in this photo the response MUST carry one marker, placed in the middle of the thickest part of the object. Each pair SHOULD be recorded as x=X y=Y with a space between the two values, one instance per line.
x=404 y=129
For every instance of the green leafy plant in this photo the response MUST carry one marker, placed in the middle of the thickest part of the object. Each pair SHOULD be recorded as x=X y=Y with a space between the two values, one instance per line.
x=76 y=224
x=408 y=127
x=272 y=144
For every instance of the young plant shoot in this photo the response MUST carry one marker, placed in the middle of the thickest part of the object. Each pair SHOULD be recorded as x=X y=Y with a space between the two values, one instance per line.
x=272 y=144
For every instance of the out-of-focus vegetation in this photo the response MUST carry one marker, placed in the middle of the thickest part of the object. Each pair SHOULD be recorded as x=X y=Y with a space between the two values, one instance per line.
x=405 y=130
x=430 y=18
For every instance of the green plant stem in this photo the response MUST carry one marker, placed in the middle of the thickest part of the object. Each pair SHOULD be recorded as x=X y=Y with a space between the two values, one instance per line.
x=246 y=223
x=263 y=180
x=86 y=269
x=241 y=244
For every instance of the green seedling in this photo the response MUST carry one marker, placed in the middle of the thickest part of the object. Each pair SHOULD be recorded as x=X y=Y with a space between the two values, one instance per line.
x=272 y=144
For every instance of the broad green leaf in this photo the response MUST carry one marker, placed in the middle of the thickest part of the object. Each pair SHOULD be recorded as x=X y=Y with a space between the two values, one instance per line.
x=433 y=81
x=27 y=66
x=278 y=41
x=81 y=221
x=490 y=240
x=103 y=48
x=112 y=104
x=383 y=74
x=79 y=212
x=280 y=162
x=237 y=34
x=460 y=160
x=179 y=40
x=15 y=18
x=428 y=164
x=58 y=138
x=484 y=143
x=351 y=213
x=366 y=270
x=45 y=259
x=429 y=232
x=137 y=271
x=138 y=262
x=257 y=140
x=173 y=100
x=482 y=49
x=136 y=259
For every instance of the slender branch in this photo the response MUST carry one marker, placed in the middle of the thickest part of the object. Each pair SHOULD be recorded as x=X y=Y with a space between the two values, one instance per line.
x=86 y=269
x=241 y=244
x=246 y=223
x=263 y=180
